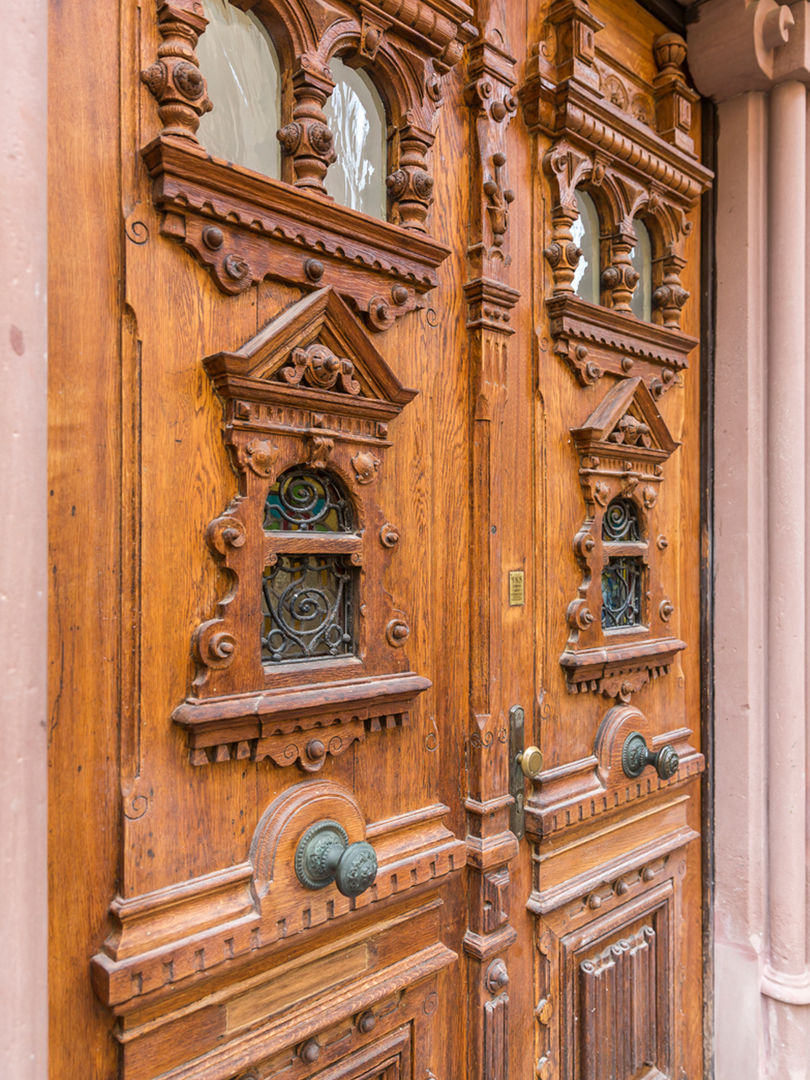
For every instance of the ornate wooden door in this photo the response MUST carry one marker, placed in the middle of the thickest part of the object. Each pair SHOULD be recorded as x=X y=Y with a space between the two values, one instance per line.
x=390 y=469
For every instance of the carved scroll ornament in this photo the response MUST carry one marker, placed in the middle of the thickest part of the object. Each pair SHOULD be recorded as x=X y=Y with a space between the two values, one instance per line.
x=244 y=226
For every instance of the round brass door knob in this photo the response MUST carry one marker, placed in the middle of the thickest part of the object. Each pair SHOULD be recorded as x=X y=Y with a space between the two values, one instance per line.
x=531 y=761
x=324 y=855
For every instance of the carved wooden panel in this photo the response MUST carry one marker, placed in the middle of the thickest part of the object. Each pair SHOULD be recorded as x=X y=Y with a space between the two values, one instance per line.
x=309 y=391
x=608 y=990
x=623 y=446
x=628 y=144
x=596 y=785
x=230 y=930
x=244 y=226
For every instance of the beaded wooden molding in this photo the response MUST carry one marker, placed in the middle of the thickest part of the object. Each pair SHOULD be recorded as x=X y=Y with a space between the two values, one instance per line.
x=244 y=226
x=309 y=389
x=629 y=146
x=622 y=448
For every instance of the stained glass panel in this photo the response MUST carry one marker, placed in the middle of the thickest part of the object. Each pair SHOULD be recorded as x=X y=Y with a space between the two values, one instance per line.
x=620 y=522
x=306 y=500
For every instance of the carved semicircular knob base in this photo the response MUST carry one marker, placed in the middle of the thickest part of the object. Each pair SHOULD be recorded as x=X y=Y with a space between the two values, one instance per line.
x=324 y=855
x=636 y=756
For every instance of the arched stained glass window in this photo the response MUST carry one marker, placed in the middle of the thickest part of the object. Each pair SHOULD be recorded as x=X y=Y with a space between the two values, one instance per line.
x=240 y=65
x=309 y=582
x=585 y=232
x=356 y=117
x=641 y=300
x=623 y=574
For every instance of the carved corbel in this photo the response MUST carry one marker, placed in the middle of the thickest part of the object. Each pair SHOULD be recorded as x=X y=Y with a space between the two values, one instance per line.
x=566 y=168
x=175 y=78
x=307 y=140
x=574 y=53
x=673 y=98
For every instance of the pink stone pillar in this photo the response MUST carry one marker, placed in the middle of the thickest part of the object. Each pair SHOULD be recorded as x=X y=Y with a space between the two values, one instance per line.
x=753 y=58
x=23 y=563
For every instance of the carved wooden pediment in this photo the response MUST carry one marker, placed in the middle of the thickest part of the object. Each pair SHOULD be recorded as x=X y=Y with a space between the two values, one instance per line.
x=627 y=423
x=623 y=446
x=307 y=402
x=315 y=352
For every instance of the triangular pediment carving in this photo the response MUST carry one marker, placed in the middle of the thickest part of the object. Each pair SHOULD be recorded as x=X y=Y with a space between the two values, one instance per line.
x=317 y=353
x=627 y=422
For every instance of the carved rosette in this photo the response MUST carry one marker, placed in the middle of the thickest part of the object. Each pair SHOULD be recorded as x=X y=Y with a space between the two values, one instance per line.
x=175 y=79
x=410 y=186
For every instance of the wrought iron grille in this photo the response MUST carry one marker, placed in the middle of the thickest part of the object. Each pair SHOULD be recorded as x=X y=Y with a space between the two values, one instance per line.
x=306 y=500
x=307 y=607
x=621 y=592
x=620 y=522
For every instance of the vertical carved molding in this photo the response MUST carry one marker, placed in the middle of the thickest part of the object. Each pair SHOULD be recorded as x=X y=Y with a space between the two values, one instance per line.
x=490 y=844
x=175 y=79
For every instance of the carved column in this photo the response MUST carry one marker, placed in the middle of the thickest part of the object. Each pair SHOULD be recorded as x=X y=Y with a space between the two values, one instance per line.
x=175 y=78
x=307 y=140
x=490 y=844
x=410 y=187
x=621 y=277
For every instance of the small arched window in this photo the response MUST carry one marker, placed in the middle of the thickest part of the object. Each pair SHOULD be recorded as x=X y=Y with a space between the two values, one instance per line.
x=623 y=573
x=641 y=300
x=356 y=117
x=308 y=584
x=241 y=67
x=585 y=232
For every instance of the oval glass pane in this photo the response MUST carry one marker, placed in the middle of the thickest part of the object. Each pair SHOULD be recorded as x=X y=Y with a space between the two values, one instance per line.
x=585 y=232
x=356 y=117
x=641 y=300
x=240 y=64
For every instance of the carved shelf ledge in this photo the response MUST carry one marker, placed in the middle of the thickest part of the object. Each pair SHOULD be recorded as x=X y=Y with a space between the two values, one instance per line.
x=595 y=340
x=172 y=941
x=244 y=227
x=615 y=670
x=303 y=726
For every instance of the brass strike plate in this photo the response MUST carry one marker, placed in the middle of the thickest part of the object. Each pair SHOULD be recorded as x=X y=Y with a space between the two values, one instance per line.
x=517 y=588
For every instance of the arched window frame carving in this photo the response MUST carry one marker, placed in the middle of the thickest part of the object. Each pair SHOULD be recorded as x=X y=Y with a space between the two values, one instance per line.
x=309 y=388
x=630 y=147
x=622 y=448
x=244 y=226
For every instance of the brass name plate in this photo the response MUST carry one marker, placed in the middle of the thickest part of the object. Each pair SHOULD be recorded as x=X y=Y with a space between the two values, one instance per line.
x=517 y=588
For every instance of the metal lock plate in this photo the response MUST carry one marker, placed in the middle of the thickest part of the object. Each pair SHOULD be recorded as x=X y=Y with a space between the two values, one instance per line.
x=517 y=731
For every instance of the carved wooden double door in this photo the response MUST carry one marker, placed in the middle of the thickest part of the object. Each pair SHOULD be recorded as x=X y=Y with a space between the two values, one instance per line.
x=387 y=419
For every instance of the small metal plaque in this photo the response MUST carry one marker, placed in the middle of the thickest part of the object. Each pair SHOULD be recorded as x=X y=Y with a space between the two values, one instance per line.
x=517 y=588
